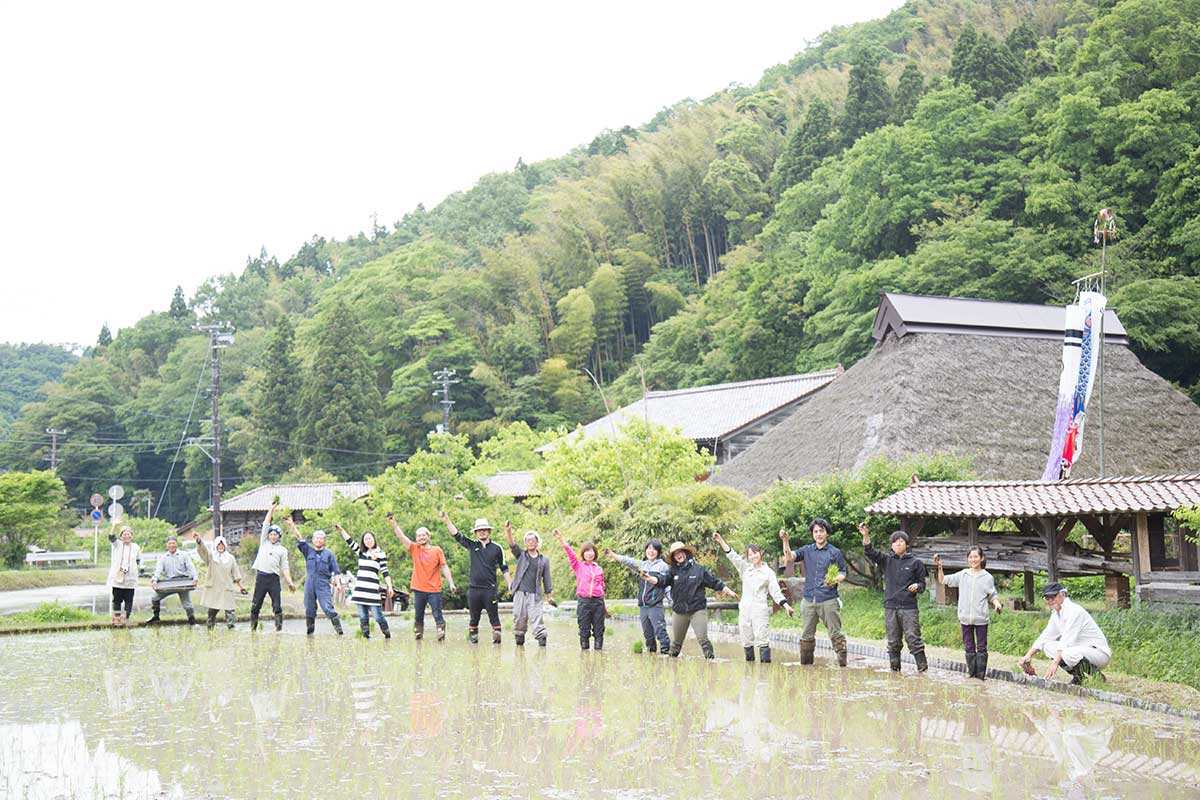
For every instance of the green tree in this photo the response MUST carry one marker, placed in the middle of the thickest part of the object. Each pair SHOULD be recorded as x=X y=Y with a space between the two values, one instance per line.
x=868 y=102
x=986 y=65
x=31 y=504
x=607 y=292
x=576 y=331
x=340 y=404
x=810 y=143
x=105 y=338
x=179 y=308
x=909 y=91
x=275 y=407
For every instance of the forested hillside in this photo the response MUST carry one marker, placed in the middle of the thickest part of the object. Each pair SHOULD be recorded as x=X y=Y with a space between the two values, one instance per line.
x=24 y=369
x=952 y=148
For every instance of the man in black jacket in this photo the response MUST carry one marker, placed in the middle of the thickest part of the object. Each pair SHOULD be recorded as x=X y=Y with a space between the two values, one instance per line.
x=486 y=558
x=903 y=581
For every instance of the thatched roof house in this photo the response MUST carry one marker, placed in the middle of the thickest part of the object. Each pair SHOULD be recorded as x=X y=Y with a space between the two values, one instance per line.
x=976 y=378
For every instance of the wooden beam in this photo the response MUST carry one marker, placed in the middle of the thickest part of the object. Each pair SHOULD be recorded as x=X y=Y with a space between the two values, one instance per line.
x=1029 y=591
x=1141 y=546
x=972 y=532
x=1049 y=533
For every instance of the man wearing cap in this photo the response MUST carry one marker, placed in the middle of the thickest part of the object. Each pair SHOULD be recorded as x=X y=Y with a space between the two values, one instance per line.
x=689 y=607
x=530 y=579
x=1071 y=637
x=270 y=564
x=903 y=581
x=486 y=557
x=173 y=574
x=320 y=567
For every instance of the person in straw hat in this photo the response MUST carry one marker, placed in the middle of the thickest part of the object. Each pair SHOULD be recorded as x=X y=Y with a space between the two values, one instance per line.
x=688 y=579
x=486 y=558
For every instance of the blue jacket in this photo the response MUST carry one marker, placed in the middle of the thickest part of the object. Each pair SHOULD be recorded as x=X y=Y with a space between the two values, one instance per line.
x=321 y=564
x=816 y=564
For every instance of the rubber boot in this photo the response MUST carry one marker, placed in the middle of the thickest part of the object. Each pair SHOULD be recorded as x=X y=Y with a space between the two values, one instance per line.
x=981 y=660
x=473 y=635
x=384 y=629
x=749 y=653
x=584 y=642
x=495 y=636
x=842 y=654
x=675 y=648
x=541 y=641
x=253 y=622
x=310 y=625
x=598 y=642
x=191 y=617
x=922 y=661
x=279 y=621
x=894 y=661
x=154 y=620
x=212 y=618
x=764 y=654
x=441 y=631
x=230 y=621
x=807 y=651
x=970 y=665
x=419 y=629
x=706 y=647
x=520 y=637
x=651 y=647
x=1080 y=671
x=337 y=625
x=365 y=628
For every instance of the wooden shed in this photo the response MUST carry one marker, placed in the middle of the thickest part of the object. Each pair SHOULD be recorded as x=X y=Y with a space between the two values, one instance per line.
x=243 y=513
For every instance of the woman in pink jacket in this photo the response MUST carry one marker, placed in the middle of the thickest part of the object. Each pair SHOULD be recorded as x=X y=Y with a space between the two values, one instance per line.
x=589 y=591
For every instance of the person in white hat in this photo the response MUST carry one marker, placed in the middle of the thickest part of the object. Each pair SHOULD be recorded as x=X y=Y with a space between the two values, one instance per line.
x=486 y=558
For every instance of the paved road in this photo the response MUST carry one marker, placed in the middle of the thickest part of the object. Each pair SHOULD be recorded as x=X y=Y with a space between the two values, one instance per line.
x=94 y=597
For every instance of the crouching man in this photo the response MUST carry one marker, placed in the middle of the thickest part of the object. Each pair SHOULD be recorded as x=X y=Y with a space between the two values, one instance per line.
x=1071 y=638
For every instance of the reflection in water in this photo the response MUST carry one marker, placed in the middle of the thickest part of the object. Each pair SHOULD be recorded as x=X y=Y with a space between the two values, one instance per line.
x=293 y=716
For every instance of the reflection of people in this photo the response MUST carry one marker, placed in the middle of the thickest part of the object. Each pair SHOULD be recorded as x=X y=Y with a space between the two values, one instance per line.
x=222 y=575
x=486 y=558
x=821 y=601
x=369 y=581
x=589 y=591
x=270 y=564
x=650 y=596
x=1076 y=745
x=173 y=574
x=123 y=572
x=1071 y=637
x=429 y=565
x=689 y=607
x=759 y=588
x=975 y=590
x=904 y=580
x=320 y=568
x=531 y=579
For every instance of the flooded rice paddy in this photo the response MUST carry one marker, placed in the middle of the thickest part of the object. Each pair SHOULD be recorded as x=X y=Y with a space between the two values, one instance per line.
x=183 y=713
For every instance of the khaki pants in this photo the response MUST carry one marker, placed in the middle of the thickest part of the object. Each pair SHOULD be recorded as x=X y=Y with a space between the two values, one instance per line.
x=527 y=614
x=698 y=621
x=827 y=612
x=752 y=625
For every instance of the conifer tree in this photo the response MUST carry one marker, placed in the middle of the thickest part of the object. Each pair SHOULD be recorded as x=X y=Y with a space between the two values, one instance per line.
x=908 y=94
x=340 y=405
x=105 y=337
x=811 y=142
x=868 y=103
x=179 y=308
x=275 y=399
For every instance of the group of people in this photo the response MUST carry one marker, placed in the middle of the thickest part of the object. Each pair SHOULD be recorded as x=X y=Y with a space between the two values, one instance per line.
x=1071 y=638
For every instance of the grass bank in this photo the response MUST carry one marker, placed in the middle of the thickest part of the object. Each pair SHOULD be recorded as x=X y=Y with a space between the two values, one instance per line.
x=15 y=579
x=49 y=617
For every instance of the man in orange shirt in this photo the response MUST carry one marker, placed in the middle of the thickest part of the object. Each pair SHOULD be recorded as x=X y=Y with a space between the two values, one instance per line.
x=429 y=564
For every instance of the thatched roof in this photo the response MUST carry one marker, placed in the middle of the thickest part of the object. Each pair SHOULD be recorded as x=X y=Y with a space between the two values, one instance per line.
x=991 y=398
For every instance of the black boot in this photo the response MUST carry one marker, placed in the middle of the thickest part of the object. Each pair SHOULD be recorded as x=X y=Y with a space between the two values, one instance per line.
x=764 y=654
x=981 y=660
x=419 y=629
x=842 y=654
x=495 y=636
x=1080 y=671
x=441 y=631
x=473 y=635
x=253 y=622
x=651 y=647
x=598 y=642
x=191 y=617
x=808 y=650
x=212 y=618
x=310 y=625
x=279 y=621
x=922 y=662
x=706 y=647
x=970 y=657
x=541 y=641
x=675 y=648
x=894 y=661
x=365 y=627
x=384 y=629
x=749 y=653
x=584 y=643
x=337 y=625
x=154 y=620
x=520 y=638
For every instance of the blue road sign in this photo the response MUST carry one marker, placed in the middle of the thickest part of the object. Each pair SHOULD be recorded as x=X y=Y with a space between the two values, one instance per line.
x=97 y=515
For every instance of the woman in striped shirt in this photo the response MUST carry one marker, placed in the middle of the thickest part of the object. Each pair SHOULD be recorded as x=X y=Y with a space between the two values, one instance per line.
x=372 y=574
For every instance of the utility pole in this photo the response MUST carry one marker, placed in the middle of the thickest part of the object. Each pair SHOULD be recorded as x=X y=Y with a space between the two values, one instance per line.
x=217 y=338
x=446 y=378
x=1103 y=230
x=54 y=434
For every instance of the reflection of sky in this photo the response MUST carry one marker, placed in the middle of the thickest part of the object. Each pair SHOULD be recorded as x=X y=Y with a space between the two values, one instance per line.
x=51 y=760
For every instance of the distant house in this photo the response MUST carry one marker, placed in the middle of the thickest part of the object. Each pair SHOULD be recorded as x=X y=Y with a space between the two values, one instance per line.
x=517 y=485
x=724 y=418
x=977 y=378
x=244 y=513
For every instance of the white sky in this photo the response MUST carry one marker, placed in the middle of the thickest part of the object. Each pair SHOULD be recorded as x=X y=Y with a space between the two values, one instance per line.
x=149 y=144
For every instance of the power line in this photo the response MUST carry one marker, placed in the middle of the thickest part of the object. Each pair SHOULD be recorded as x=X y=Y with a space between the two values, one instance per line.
x=446 y=378
x=54 y=434
x=195 y=396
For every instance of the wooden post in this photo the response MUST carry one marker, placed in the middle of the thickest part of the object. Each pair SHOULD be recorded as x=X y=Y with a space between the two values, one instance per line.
x=1029 y=606
x=1049 y=534
x=1141 y=546
x=1116 y=591
x=972 y=532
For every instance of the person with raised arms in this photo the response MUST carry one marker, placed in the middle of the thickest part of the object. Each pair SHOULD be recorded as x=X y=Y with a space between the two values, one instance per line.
x=976 y=589
x=689 y=608
x=531 y=579
x=650 y=597
x=369 y=581
x=903 y=582
x=270 y=564
x=486 y=558
x=320 y=567
x=222 y=576
x=824 y=570
x=429 y=565
x=589 y=591
x=759 y=587
x=123 y=571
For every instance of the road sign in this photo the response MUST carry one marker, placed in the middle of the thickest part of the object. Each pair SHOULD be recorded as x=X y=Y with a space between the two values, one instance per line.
x=97 y=500
x=116 y=510
x=97 y=515
x=116 y=492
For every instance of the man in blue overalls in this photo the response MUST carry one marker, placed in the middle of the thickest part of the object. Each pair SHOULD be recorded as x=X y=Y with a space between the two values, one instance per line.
x=321 y=566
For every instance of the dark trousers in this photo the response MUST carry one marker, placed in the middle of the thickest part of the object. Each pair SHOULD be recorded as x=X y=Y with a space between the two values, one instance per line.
x=477 y=601
x=654 y=627
x=590 y=613
x=434 y=600
x=265 y=583
x=974 y=638
x=903 y=622
x=122 y=598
